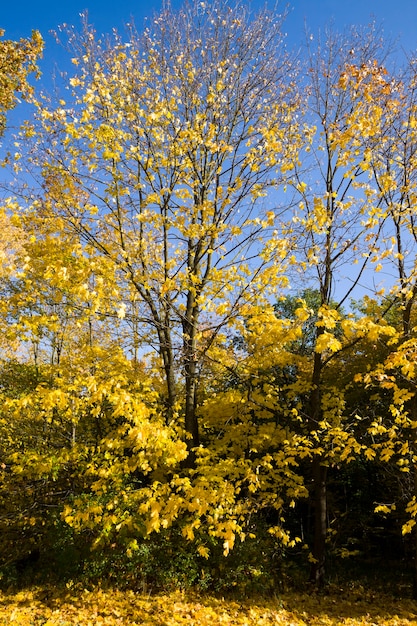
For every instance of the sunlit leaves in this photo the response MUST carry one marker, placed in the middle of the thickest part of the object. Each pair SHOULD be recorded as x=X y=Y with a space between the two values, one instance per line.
x=17 y=60
x=182 y=187
x=75 y=605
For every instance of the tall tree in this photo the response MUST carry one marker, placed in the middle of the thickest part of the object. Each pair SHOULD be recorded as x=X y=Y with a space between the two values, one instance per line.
x=159 y=164
x=392 y=163
x=151 y=233
x=338 y=224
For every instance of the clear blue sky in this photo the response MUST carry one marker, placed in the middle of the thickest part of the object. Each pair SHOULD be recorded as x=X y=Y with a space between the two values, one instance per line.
x=19 y=17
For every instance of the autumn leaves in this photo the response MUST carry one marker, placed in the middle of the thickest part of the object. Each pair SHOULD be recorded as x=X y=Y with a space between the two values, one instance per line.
x=184 y=268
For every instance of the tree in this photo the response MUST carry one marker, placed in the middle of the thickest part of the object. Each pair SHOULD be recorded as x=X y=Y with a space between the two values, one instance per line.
x=159 y=164
x=17 y=60
x=148 y=226
x=183 y=185
x=392 y=164
x=339 y=226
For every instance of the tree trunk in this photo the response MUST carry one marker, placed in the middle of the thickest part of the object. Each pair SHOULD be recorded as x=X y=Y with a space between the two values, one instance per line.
x=415 y=544
x=319 y=470
x=318 y=568
x=166 y=352
x=407 y=308
x=414 y=448
x=190 y=418
x=190 y=371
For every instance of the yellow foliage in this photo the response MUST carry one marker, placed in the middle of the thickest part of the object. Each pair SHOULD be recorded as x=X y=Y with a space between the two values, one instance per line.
x=141 y=275
x=17 y=60
x=78 y=606
x=327 y=342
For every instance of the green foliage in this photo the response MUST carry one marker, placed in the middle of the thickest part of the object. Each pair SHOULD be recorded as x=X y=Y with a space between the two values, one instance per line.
x=169 y=562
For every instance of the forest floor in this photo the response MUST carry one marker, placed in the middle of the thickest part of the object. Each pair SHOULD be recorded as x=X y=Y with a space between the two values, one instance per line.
x=65 y=606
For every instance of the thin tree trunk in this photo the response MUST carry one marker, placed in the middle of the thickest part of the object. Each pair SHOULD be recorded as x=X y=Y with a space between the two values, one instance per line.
x=318 y=569
x=413 y=411
x=414 y=448
x=166 y=352
x=190 y=418
x=319 y=471
x=190 y=371
x=407 y=308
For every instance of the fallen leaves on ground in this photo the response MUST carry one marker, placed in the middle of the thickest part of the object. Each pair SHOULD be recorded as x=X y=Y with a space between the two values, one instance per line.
x=99 y=607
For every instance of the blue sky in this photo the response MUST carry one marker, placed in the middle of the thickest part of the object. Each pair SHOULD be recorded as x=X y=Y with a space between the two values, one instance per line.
x=19 y=17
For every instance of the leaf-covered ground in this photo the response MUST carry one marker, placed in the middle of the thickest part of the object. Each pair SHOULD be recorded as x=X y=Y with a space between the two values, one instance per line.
x=48 y=606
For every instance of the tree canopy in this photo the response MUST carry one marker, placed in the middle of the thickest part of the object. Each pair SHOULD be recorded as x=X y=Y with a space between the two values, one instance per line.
x=208 y=288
